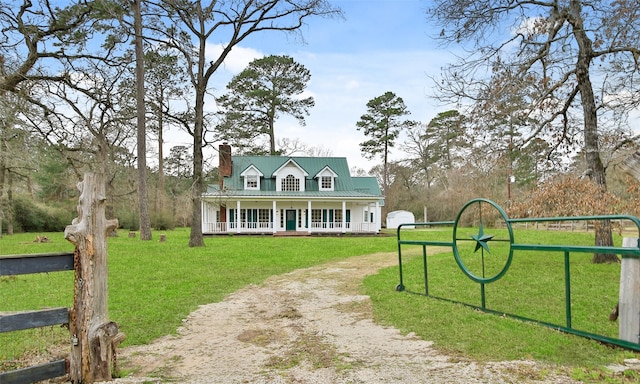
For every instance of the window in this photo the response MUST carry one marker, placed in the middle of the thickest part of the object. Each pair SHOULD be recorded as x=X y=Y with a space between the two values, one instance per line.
x=264 y=215
x=243 y=215
x=290 y=183
x=316 y=215
x=326 y=182
x=232 y=218
x=251 y=177
x=326 y=179
x=252 y=181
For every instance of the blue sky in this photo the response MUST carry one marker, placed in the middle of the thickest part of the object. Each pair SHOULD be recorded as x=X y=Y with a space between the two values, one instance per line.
x=379 y=46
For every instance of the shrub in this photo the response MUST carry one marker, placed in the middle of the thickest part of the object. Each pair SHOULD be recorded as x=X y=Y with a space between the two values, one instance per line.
x=129 y=221
x=31 y=216
x=163 y=222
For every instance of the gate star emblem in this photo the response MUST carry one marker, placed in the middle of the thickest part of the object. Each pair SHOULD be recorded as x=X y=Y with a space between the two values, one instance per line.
x=481 y=240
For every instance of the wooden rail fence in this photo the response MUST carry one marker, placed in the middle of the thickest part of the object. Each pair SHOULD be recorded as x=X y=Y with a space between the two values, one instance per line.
x=27 y=264
x=93 y=338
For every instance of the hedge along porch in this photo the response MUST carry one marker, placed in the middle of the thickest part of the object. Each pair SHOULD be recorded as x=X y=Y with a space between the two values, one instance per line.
x=270 y=194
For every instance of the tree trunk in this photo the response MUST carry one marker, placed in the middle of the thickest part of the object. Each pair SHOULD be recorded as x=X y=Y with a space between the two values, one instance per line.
x=10 y=203
x=93 y=337
x=160 y=194
x=385 y=162
x=6 y=204
x=2 y=173
x=596 y=170
x=604 y=237
x=143 y=208
x=272 y=132
x=195 y=237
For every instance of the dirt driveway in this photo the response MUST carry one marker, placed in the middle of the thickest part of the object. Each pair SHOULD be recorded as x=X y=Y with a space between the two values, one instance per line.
x=308 y=326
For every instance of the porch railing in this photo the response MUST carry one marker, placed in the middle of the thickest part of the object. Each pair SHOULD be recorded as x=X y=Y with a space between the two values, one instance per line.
x=262 y=227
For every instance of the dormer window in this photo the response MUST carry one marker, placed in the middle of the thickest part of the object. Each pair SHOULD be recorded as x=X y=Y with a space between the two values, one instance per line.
x=326 y=179
x=326 y=183
x=251 y=177
x=252 y=181
x=290 y=177
x=290 y=183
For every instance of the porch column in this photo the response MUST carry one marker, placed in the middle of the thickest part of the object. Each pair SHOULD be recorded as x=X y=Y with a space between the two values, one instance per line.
x=227 y=215
x=205 y=216
x=273 y=217
x=309 y=215
x=344 y=216
x=378 y=218
x=238 y=216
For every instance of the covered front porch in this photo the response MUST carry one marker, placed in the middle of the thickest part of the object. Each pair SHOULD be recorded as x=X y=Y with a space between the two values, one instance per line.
x=274 y=216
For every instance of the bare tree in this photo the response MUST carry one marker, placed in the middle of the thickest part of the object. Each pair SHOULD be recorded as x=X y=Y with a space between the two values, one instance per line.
x=58 y=58
x=89 y=119
x=38 y=38
x=573 y=61
x=164 y=79
x=189 y=29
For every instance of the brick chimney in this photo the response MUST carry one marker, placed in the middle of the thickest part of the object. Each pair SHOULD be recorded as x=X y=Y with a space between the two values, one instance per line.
x=224 y=167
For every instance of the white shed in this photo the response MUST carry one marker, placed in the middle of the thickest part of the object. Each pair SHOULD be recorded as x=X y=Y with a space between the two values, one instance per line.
x=395 y=218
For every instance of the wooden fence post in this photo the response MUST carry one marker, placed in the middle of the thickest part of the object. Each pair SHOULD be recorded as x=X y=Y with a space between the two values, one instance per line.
x=93 y=335
x=629 y=302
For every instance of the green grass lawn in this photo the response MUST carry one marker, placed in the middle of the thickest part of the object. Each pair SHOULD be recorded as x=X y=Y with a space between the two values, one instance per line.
x=533 y=287
x=153 y=286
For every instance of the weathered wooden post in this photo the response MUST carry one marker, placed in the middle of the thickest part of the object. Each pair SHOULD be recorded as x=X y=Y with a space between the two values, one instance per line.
x=93 y=336
x=629 y=301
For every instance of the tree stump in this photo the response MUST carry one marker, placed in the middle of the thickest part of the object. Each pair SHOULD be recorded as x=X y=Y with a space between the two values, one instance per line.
x=163 y=238
x=93 y=335
x=132 y=234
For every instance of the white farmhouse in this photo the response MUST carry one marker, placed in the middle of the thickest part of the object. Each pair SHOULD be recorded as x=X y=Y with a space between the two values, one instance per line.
x=306 y=195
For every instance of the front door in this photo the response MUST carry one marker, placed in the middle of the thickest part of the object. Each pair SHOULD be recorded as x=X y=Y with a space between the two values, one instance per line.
x=291 y=219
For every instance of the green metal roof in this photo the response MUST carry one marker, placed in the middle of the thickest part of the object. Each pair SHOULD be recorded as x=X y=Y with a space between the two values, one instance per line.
x=366 y=184
x=345 y=185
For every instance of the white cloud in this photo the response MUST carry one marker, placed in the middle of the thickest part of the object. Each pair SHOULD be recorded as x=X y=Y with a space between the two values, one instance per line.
x=352 y=84
x=342 y=84
x=531 y=26
x=238 y=58
x=620 y=98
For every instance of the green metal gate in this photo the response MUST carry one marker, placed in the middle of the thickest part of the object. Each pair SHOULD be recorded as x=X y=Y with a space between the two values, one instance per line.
x=483 y=233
